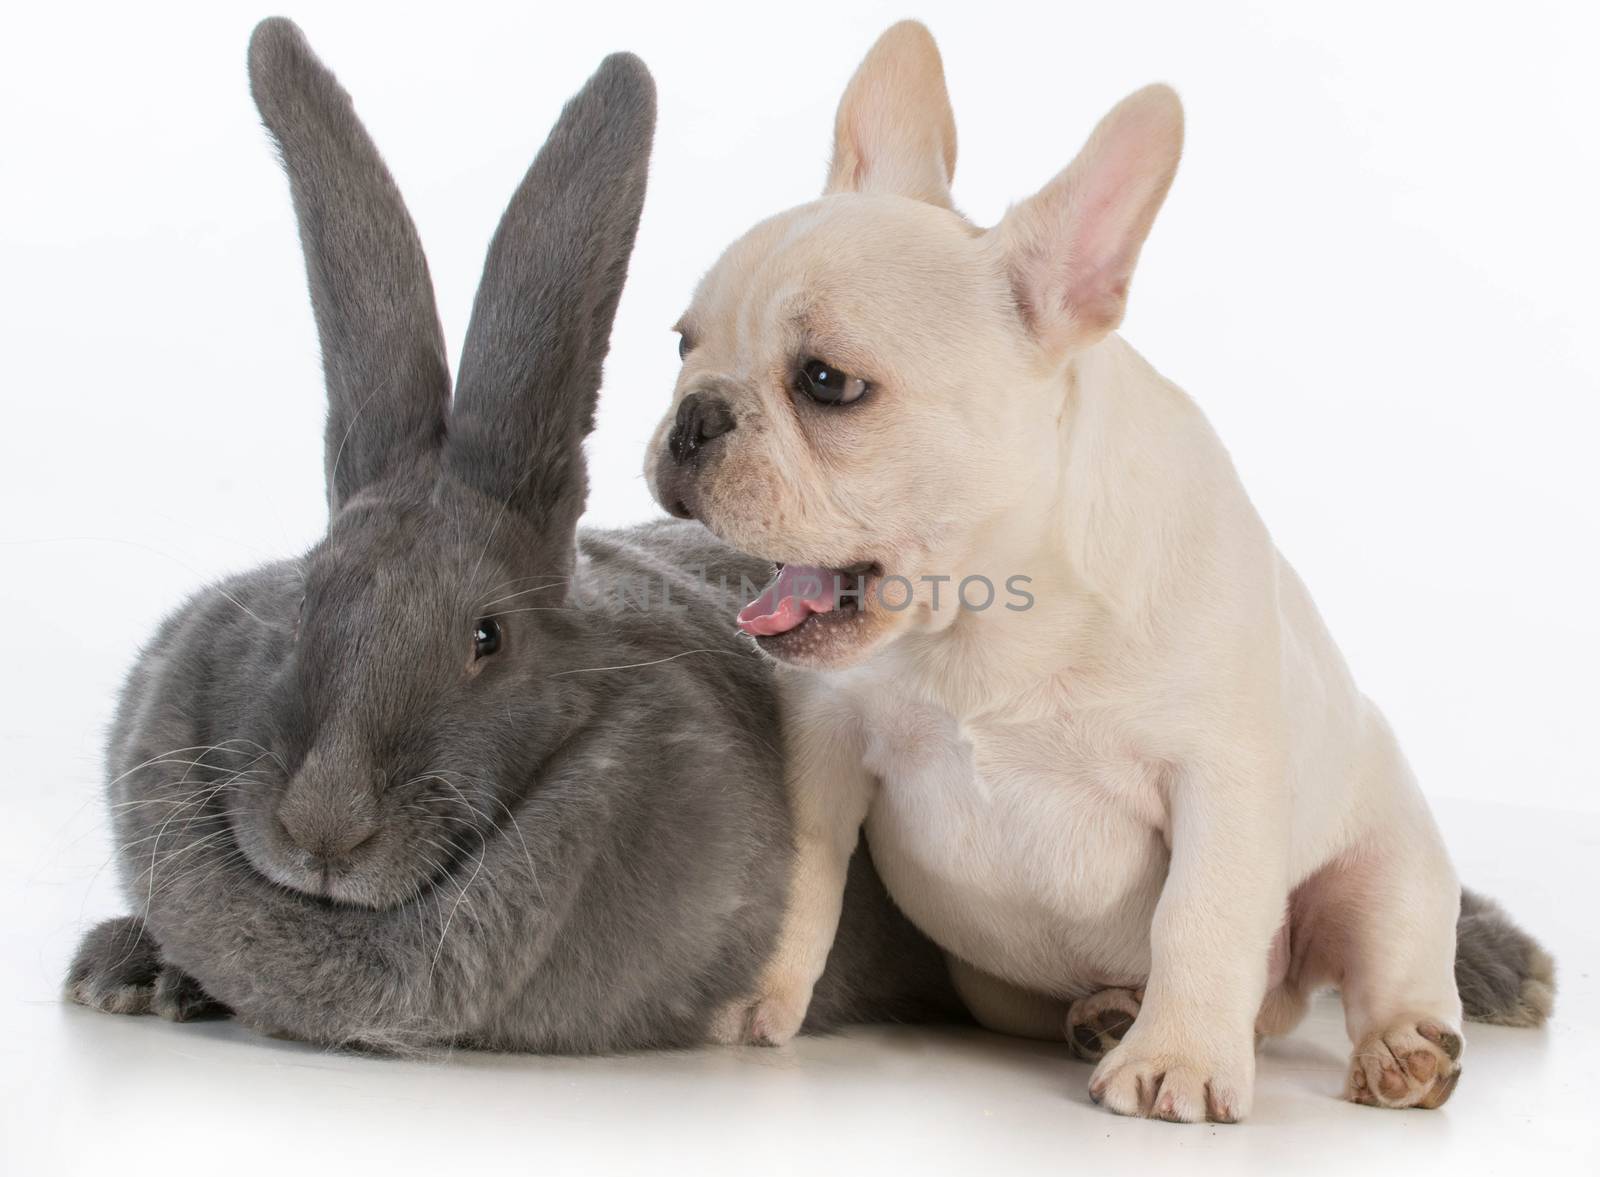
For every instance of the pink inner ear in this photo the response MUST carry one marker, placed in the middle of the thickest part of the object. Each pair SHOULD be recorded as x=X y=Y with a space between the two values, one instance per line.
x=1073 y=284
x=1080 y=236
x=1101 y=238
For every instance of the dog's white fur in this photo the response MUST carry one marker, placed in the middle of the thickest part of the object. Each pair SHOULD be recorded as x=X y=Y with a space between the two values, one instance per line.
x=1161 y=774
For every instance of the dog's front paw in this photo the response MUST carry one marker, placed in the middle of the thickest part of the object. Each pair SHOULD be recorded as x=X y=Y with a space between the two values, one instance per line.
x=1159 y=1077
x=770 y=1018
x=118 y=970
x=1412 y=1064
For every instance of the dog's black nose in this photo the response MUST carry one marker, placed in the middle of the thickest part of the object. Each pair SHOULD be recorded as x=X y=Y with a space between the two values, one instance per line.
x=702 y=418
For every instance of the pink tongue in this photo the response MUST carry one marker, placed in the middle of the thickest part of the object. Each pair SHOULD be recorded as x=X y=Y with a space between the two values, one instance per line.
x=796 y=593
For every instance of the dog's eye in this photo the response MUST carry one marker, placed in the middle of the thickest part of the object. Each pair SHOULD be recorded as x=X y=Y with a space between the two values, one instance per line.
x=683 y=344
x=827 y=385
x=485 y=637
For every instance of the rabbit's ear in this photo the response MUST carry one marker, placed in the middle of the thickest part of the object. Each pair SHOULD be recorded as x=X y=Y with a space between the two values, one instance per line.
x=382 y=349
x=541 y=324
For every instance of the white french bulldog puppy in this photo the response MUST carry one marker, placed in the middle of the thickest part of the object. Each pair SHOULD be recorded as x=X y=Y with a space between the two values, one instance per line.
x=1095 y=726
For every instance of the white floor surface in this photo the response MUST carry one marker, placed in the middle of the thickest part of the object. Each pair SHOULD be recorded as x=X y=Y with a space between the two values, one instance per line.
x=86 y=1092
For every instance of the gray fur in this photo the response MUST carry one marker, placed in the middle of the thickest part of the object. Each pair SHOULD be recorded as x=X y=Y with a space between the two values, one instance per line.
x=541 y=323
x=1503 y=974
x=579 y=843
x=382 y=347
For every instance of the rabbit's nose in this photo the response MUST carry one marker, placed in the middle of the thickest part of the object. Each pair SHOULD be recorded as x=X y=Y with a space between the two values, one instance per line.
x=702 y=418
x=328 y=837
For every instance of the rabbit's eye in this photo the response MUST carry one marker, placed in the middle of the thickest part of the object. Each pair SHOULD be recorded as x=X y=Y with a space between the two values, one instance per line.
x=485 y=637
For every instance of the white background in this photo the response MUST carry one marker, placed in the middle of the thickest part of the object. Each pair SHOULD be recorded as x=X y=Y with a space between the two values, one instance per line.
x=1376 y=273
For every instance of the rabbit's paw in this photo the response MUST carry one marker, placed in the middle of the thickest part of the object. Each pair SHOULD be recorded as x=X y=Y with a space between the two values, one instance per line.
x=179 y=998
x=1414 y=1064
x=118 y=970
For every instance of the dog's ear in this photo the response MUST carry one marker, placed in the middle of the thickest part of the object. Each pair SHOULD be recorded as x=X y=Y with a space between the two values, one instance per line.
x=1072 y=247
x=895 y=133
x=382 y=350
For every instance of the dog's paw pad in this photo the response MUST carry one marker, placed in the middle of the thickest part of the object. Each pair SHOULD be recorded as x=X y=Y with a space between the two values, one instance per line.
x=1409 y=1065
x=1096 y=1023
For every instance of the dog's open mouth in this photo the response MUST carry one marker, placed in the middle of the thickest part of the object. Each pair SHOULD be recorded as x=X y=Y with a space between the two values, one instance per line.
x=805 y=596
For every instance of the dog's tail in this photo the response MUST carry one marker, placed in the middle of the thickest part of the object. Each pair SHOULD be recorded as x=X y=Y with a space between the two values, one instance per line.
x=1504 y=975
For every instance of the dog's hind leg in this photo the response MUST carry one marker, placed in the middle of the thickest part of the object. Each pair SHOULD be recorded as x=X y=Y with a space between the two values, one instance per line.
x=1004 y=1008
x=1092 y=1025
x=1386 y=914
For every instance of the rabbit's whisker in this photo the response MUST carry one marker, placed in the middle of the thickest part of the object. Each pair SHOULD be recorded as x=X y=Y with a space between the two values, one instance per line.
x=527 y=854
x=333 y=475
x=494 y=528
x=483 y=853
x=161 y=757
x=652 y=662
x=543 y=588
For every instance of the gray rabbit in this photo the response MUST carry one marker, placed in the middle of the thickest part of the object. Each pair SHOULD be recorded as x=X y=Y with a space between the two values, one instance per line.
x=445 y=780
